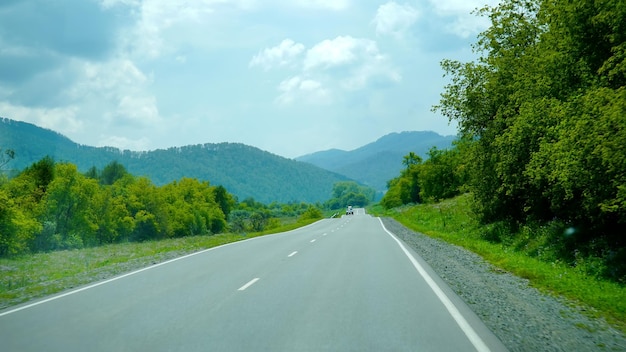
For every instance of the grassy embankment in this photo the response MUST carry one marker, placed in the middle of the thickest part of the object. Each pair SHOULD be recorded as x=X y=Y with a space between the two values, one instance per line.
x=32 y=276
x=452 y=221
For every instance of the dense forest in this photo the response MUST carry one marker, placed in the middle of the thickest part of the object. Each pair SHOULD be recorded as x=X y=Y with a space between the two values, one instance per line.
x=244 y=170
x=542 y=113
x=52 y=206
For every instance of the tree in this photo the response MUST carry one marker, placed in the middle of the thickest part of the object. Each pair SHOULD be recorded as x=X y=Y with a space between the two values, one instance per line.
x=146 y=204
x=69 y=205
x=5 y=157
x=411 y=159
x=346 y=193
x=192 y=208
x=224 y=199
x=17 y=228
x=112 y=172
x=398 y=193
x=544 y=104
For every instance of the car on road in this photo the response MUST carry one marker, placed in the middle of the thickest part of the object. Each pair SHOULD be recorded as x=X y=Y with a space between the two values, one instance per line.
x=349 y=211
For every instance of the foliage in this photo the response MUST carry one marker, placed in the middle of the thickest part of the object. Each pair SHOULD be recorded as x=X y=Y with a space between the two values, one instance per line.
x=52 y=206
x=545 y=105
x=244 y=170
x=112 y=172
x=443 y=175
x=31 y=276
x=349 y=193
x=312 y=213
x=5 y=157
x=533 y=251
x=252 y=216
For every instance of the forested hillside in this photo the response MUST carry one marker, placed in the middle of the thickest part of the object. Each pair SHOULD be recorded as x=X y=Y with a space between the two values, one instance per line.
x=376 y=163
x=245 y=171
x=542 y=114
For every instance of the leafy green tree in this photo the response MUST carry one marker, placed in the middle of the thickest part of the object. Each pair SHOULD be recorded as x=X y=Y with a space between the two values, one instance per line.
x=39 y=175
x=411 y=159
x=346 y=193
x=146 y=204
x=112 y=172
x=544 y=104
x=224 y=199
x=69 y=202
x=192 y=208
x=17 y=228
x=398 y=193
x=238 y=220
x=114 y=222
x=258 y=220
x=311 y=213
x=441 y=175
x=93 y=173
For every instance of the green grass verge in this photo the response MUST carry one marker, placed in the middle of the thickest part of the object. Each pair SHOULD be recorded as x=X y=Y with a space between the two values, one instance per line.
x=453 y=222
x=32 y=276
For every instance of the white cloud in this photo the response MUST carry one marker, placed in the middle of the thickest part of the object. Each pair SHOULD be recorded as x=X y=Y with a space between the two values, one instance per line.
x=175 y=72
x=283 y=54
x=394 y=19
x=142 y=143
x=339 y=51
x=138 y=110
x=148 y=38
x=338 y=65
x=64 y=120
x=464 y=23
x=116 y=93
x=335 y=5
x=360 y=58
x=298 y=89
x=460 y=6
x=377 y=70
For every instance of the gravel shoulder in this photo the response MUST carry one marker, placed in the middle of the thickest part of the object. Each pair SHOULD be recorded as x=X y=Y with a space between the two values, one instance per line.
x=522 y=317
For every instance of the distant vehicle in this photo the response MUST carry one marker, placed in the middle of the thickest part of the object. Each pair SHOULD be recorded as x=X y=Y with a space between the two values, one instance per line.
x=349 y=211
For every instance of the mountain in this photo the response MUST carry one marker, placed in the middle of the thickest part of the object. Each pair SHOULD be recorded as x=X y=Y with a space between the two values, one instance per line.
x=378 y=162
x=243 y=170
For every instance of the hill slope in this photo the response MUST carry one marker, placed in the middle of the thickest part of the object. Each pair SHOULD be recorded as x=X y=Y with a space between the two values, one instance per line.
x=376 y=163
x=243 y=170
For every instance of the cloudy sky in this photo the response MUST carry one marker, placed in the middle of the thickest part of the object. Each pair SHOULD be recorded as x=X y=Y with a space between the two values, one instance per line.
x=290 y=77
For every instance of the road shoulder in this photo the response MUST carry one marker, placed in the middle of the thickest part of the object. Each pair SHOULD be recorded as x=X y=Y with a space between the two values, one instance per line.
x=523 y=318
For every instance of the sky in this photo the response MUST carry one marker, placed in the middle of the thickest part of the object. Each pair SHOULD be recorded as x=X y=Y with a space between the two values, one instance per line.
x=289 y=77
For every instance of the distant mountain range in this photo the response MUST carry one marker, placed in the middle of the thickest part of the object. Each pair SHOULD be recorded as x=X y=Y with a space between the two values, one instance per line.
x=376 y=163
x=243 y=170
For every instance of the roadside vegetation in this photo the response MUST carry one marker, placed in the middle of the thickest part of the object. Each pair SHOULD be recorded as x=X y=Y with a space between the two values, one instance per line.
x=51 y=206
x=536 y=182
x=61 y=228
x=527 y=253
x=543 y=123
x=26 y=277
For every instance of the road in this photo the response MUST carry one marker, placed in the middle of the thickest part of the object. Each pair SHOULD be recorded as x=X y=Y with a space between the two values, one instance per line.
x=337 y=285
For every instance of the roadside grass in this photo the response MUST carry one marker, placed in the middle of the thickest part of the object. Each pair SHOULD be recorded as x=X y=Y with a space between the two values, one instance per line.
x=33 y=276
x=452 y=221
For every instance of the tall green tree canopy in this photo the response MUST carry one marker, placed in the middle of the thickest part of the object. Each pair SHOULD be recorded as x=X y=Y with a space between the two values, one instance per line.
x=546 y=104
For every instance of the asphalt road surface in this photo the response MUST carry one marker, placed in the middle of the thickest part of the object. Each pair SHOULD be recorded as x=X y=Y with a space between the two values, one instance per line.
x=337 y=285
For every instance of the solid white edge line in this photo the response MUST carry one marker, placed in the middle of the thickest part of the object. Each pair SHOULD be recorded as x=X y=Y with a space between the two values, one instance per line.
x=53 y=298
x=471 y=334
x=250 y=283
